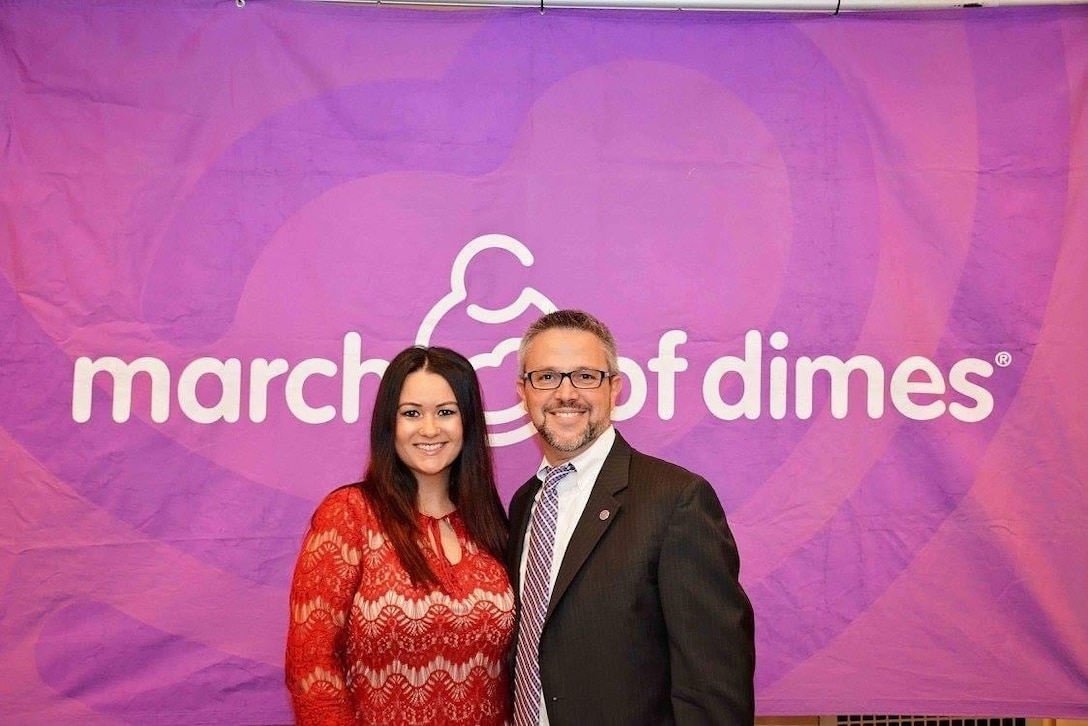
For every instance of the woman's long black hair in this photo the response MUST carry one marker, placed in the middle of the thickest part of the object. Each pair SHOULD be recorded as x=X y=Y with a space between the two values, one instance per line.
x=392 y=488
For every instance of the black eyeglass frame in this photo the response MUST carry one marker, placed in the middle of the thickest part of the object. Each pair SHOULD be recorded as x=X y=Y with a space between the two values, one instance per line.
x=603 y=376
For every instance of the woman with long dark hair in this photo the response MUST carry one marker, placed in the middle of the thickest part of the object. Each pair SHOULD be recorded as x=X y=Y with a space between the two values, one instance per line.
x=401 y=610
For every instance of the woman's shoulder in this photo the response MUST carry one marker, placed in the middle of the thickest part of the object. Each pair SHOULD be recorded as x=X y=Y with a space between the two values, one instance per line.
x=348 y=503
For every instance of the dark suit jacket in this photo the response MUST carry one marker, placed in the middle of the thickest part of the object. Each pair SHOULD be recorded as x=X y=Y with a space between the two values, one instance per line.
x=647 y=622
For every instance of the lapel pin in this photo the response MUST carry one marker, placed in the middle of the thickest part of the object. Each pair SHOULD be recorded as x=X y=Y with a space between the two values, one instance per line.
x=603 y=515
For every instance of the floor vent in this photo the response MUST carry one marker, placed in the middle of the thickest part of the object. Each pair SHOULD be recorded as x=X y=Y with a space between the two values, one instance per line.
x=926 y=721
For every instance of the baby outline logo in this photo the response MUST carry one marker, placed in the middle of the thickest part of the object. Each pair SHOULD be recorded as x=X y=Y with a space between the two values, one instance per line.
x=527 y=300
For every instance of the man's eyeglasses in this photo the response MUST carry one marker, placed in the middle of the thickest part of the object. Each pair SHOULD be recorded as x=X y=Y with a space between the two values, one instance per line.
x=581 y=378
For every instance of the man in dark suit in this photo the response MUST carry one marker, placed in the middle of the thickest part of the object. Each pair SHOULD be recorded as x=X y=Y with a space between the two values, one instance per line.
x=630 y=611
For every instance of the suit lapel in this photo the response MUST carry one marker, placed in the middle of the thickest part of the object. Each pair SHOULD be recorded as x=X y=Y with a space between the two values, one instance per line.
x=520 y=510
x=591 y=527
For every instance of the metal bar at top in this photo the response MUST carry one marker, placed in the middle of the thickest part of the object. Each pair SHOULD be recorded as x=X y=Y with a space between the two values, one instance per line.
x=801 y=6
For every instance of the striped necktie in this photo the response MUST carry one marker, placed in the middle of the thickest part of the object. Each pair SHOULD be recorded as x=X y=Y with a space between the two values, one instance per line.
x=535 y=594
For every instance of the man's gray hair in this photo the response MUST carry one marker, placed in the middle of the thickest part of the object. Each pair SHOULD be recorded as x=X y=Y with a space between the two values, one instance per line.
x=571 y=320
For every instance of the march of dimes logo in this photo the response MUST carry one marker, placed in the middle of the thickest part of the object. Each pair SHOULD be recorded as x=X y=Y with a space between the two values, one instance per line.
x=916 y=386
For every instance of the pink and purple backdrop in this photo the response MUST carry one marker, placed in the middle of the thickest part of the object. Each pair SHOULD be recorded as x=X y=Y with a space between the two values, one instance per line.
x=199 y=188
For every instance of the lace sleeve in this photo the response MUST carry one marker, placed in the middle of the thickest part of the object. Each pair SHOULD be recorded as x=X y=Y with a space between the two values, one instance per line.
x=325 y=581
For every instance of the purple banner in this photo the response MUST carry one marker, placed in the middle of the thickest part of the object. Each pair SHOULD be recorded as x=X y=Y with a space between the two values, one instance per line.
x=844 y=258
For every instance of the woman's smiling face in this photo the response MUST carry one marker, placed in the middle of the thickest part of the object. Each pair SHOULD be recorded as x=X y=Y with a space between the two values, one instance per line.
x=429 y=433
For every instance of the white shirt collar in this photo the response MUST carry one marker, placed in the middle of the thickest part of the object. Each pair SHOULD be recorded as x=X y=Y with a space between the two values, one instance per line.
x=590 y=461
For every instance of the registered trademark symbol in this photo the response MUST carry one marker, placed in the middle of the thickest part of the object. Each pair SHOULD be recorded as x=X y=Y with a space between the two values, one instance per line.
x=1003 y=359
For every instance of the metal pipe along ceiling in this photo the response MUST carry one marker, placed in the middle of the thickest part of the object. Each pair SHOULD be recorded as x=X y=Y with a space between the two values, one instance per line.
x=809 y=6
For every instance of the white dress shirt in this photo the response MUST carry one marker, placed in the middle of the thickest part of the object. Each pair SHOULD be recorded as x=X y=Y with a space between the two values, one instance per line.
x=573 y=490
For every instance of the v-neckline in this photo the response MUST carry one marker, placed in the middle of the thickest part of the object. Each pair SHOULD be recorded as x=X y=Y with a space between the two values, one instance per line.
x=434 y=527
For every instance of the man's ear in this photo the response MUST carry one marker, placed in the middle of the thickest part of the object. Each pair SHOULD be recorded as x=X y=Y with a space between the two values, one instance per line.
x=616 y=384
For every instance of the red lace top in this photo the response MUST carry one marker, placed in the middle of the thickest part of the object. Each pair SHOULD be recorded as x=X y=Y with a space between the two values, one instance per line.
x=364 y=646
